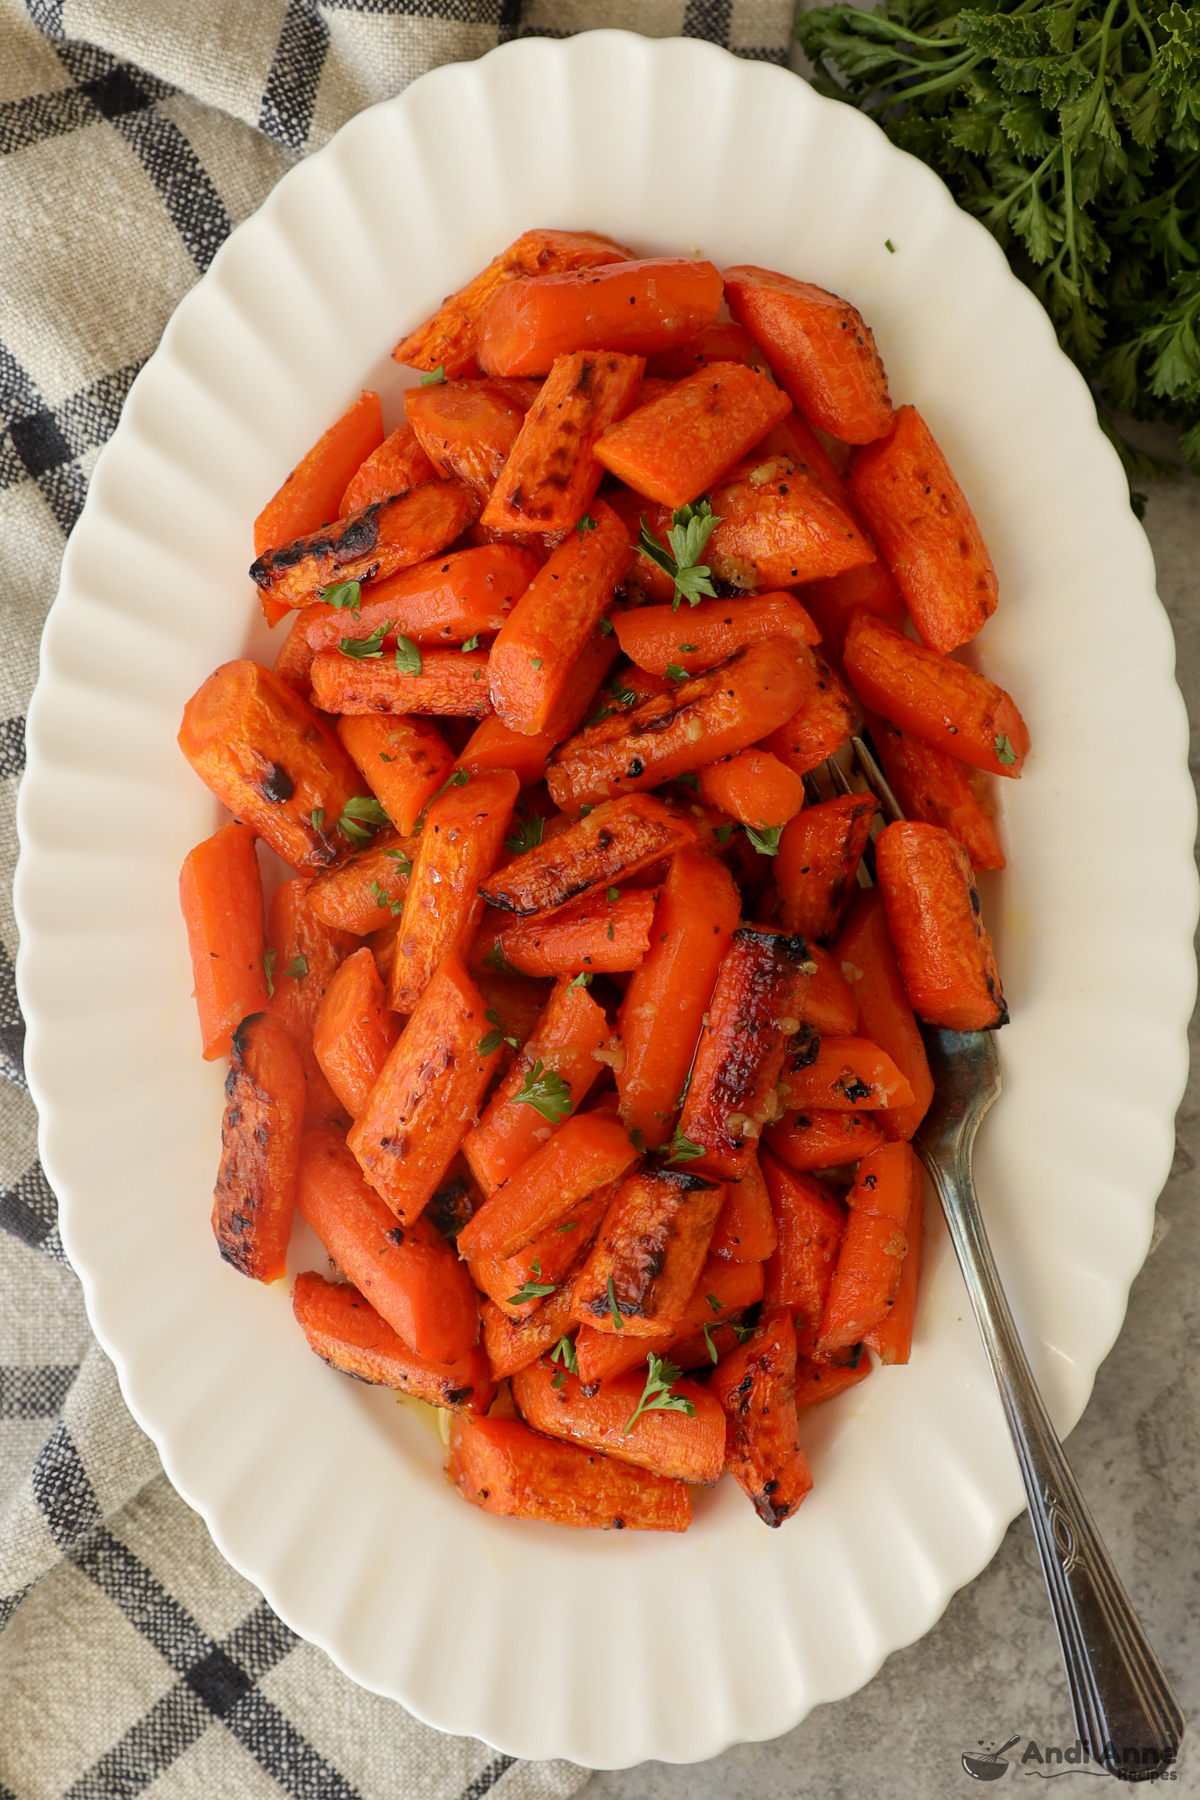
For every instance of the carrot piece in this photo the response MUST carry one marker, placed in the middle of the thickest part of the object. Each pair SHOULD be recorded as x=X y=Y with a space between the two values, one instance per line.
x=398 y=464
x=494 y=745
x=447 y=340
x=753 y=787
x=367 y=889
x=519 y=1001
x=845 y=1075
x=552 y=473
x=819 y=1138
x=818 y=1382
x=304 y=955
x=921 y=519
x=723 y=342
x=388 y=535
x=690 y=1448
x=725 y=710
x=795 y=438
x=820 y=348
x=427 y=1094
x=513 y=1342
x=745 y=1230
x=873 y=1248
x=450 y=682
x=570 y=1031
x=756 y=1385
x=354 y=1031
x=939 y=700
x=829 y=1005
x=817 y=865
x=310 y=496
x=404 y=761
x=409 y=1273
x=722 y=1291
x=651 y=1248
x=468 y=428
x=754 y=1010
x=865 y=956
x=811 y=1223
x=447 y=600
x=833 y=602
x=668 y=994
x=586 y=1152
x=658 y=637
x=824 y=718
x=260 y=1148
x=596 y=936
x=348 y=1334
x=293 y=659
x=220 y=891
x=943 y=949
x=545 y=1265
x=891 y=1339
x=639 y=307
x=272 y=760
x=614 y=843
x=938 y=790
x=778 y=527
x=673 y=448
x=644 y=575
x=503 y=1467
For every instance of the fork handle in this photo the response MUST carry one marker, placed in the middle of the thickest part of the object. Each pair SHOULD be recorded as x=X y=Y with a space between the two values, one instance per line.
x=1121 y=1698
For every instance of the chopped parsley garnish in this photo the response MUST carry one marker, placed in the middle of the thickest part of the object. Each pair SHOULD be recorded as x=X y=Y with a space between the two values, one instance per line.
x=472 y=643
x=361 y=817
x=613 y=1308
x=362 y=649
x=598 y=717
x=606 y=627
x=533 y=1290
x=691 y=528
x=583 y=980
x=638 y=1141
x=564 y=1353
x=383 y=898
x=612 y=895
x=1005 y=752
x=298 y=967
x=889 y=246
x=723 y=833
x=496 y=959
x=434 y=377
x=536 y=662
x=661 y=1377
x=490 y=1041
x=689 y=780
x=712 y=1348
x=677 y=672
x=345 y=595
x=495 y=1038
x=765 y=838
x=317 y=815
x=569 y=1225
x=685 y=648
x=527 y=835
x=585 y=810
x=718 y=1306
x=682 y=1149
x=408 y=657
x=587 y=523
x=269 y=970
x=545 y=1090
x=403 y=863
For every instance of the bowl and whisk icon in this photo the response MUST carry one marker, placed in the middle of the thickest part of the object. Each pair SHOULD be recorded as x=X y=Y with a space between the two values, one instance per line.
x=989 y=1766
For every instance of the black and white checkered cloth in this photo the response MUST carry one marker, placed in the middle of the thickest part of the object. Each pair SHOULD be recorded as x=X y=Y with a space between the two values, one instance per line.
x=134 y=134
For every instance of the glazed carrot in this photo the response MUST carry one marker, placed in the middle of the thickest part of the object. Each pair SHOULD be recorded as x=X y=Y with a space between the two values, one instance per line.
x=404 y=761
x=939 y=700
x=493 y=745
x=570 y=1030
x=545 y=1266
x=819 y=1138
x=367 y=889
x=447 y=340
x=817 y=864
x=754 y=1010
x=354 y=1031
x=872 y=1250
x=551 y=473
x=865 y=956
x=651 y=1248
x=448 y=600
x=924 y=526
x=512 y=1343
x=644 y=575
x=586 y=1152
x=382 y=945
x=824 y=718
x=658 y=637
x=519 y=1001
x=673 y=448
x=272 y=760
x=386 y=536
x=347 y=1332
x=303 y=956
x=293 y=659
x=834 y=601
x=795 y=438
x=846 y=1075
x=891 y=1339
x=597 y=936
x=938 y=790
x=779 y=528
x=398 y=464
x=820 y=349
x=829 y=1005
x=723 y=342
x=639 y=308
x=468 y=428
x=450 y=682
x=260 y=1148
x=727 y=709
x=745 y=1231
x=756 y=1385
x=942 y=946
x=690 y=1448
x=220 y=891
x=427 y=1095
x=818 y=1382
x=753 y=787
x=409 y=1273
x=669 y=992
x=502 y=1466
x=811 y=1223
x=615 y=842
x=723 y=1290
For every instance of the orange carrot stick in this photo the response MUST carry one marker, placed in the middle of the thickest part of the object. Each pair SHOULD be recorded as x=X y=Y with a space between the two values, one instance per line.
x=659 y=637
x=722 y=1292
x=522 y=1284
x=596 y=936
x=675 y=447
x=723 y=342
x=347 y=1332
x=586 y=1152
x=448 y=600
x=502 y=1466
x=468 y=428
x=865 y=955
x=756 y=1385
x=220 y=891
x=293 y=659
x=513 y=1343
x=845 y=1075
x=817 y=865
x=811 y=1223
x=366 y=890
x=690 y=1447
x=943 y=949
x=779 y=528
x=824 y=718
x=354 y=1031
x=640 y=308
x=449 y=682
x=829 y=1005
x=614 y=843
x=404 y=761
x=745 y=1230
x=303 y=957
x=260 y=1149
x=652 y=1245
x=389 y=535
x=818 y=1382
x=518 y=1000
x=938 y=790
x=494 y=745
x=891 y=1339
x=872 y=1250
x=753 y=787
x=819 y=1138
x=398 y=464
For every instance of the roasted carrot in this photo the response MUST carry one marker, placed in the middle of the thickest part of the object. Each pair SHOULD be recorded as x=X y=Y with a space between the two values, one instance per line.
x=398 y=464
x=455 y=1198
x=673 y=448
x=644 y=577
x=347 y=1332
x=427 y=1095
x=601 y=935
x=354 y=1031
x=687 y=1445
x=753 y=787
x=756 y=1385
x=409 y=1273
x=819 y=1138
x=845 y=1075
x=366 y=890
x=220 y=891
x=754 y=1010
x=512 y=1343
x=818 y=860
x=518 y=1001
x=865 y=956
x=503 y=1467
x=586 y=1152
x=723 y=342
x=272 y=760
x=824 y=718
x=659 y=638
x=614 y=843
x=468 y=428
x=303 y=956
x=384 y=537
x=872 y=1250
x=942 y=701
x=651 y=1247
x=450 y=600
x=818 y=1382
x=939 y=790
x=458 y=848
x=833 y=602
x=404 y=761
x=640 y=308
x=447 y=340
x=942 y=945
x=260 y=1148
x=722 y=1292
x=811 y=1223
x=293 y=659
x=779 y=527
x=451 y=682
x=494 y=745
x=891 y=1339
x=745 y=1230
x=520 y=1285
x=829 y=1005
x=924 y=526
x=820 y=348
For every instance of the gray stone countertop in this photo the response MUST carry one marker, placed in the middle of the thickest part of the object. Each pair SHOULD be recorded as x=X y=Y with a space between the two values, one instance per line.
x=990 y=1666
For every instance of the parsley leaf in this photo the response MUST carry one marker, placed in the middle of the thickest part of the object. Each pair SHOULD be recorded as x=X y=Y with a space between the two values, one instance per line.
x=682 y=1149
x=661 y=1377
x=723 y=833
x=403 y=863
x=598 y=717
x=533 y=1290
x=587 y=523
x=612 y=895
x=718 y=1306
x=408 y=657
x=383 y=898
x=583 y=979
x=472 y=643
x=691 y=528
x=712 y=1348
x=1004 y=752
x=688 y=779
x=496 y=959
x=269 y=970
x=317 y=815
x=527 y=835
x=435 y=376
x=490 y=1041
x=362 y=649
x=684 y=649
x=564 y=1353
x=545 y=1090
x=345 y=595
x=638 y=1141
x=676 y=672
x=889 y=246
x=361 y=817
x=606 y=627
x=585 y=810
x=613 y=1308
x=765 y=838
x=298 y=967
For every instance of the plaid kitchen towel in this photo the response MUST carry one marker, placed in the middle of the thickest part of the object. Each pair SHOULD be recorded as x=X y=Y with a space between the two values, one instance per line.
x=133 y=135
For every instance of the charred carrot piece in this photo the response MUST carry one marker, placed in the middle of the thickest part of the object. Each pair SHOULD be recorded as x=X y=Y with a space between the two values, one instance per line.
x=841 y=1075
x=459 y=845
x=519 y=1286
x=938 y=790
x=753 y=787
x=386 y=536
x=450 y=682
x=272 y=760
x=924 y=526
x=456 y=1197
x=503 y=1467
x=260 y=1148
x=817 y=1382
x=640 y=308
x=293 y=660
x=723 y=342
x=820 y=348
x=745 y=1230
x=659 y=638
x=866 y=958
x=348 y=1334
x=723 y=1290
x=939 y=700
x=756 y=1385
x=891 y=1339
x=614 y=843
x=824 y=718
x=817 y=865
x=220 y=891
x=872 y=1250
x=513 y=1343
x=468 y=428
x=811 y=1223
x=829 y=1005
x=819 y=1138
x=942 y=945
x=585 y=1153
x=366 y=890
x=398 y=464
x=651 y=1248
x=779 y=528
x=354 y=1031
x=673 y=448
x=754 y=1010
x=447 y=600
x=404 y=761
x=688 y=1446
x=597 y=936
x=447 y=340
x=304 y=954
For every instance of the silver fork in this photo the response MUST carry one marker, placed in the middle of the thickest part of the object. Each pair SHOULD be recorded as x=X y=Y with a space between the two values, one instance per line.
x=1126 y=1715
